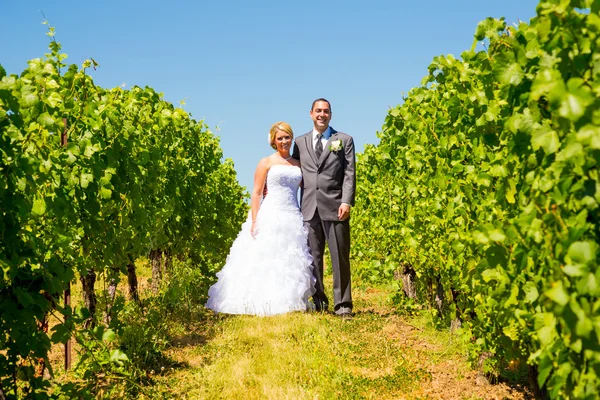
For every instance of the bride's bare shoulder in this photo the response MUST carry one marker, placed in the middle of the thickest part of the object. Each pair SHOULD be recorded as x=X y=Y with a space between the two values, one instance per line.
x=265 y=163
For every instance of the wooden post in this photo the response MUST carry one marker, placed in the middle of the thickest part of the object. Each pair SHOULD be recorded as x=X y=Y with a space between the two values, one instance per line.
x=68 y=344
x=67 y=297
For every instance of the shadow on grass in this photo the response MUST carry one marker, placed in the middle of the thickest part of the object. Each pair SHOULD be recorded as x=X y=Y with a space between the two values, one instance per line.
x=199 y=331
x=374 y=313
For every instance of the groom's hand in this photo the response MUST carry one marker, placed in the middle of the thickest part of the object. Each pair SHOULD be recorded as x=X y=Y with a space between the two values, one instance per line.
x=343 y=212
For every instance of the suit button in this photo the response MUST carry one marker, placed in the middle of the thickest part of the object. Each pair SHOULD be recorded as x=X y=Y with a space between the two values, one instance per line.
x=317 y=188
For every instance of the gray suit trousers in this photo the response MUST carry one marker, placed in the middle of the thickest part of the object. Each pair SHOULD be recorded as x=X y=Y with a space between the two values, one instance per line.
x=337 y=236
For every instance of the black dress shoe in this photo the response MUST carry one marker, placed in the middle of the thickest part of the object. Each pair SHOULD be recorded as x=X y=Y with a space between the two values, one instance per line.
x=321 y=306
x=345 y=316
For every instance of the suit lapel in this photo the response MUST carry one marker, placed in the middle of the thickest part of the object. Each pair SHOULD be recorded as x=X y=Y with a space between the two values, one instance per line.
x=309 y=147
x=326 y=150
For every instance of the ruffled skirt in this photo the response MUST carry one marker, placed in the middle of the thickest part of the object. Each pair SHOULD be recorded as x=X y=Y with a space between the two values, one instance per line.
x=268 y=274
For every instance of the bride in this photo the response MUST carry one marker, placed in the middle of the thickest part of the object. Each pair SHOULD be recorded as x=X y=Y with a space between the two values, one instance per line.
x=269 y=267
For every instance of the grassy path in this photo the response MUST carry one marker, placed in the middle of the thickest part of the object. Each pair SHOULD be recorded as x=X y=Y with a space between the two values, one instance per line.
x=377 y=355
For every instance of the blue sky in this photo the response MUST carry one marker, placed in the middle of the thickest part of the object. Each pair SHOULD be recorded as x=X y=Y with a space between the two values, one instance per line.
x=242 y=65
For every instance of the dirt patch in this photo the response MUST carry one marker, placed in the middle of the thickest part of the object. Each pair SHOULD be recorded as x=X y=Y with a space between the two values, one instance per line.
x=450 y=380
x=450 y=376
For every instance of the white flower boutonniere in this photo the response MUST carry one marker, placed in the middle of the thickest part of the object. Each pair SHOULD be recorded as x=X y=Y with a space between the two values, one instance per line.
x=336 y=146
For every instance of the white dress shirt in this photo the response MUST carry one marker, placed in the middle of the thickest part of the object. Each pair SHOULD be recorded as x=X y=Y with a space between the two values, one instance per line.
x=326 y=134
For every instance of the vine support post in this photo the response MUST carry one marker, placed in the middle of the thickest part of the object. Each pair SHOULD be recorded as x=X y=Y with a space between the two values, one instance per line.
x=67 y=296
x=157 y=262
x=68 y=343
x=132 y=280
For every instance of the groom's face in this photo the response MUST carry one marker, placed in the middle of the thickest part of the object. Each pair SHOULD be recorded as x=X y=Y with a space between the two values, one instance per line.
x=321 y=115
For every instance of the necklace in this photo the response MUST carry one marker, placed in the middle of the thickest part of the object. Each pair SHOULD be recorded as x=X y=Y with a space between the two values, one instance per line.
x=283 y=158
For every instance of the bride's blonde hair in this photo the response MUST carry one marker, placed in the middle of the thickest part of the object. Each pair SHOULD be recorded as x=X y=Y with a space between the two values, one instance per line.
x=279 y=126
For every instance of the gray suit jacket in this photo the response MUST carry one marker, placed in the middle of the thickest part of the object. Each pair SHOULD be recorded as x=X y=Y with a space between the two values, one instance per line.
x=329 y=181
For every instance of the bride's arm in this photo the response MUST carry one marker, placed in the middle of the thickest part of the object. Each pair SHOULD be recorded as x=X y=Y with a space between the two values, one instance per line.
x=259 y=182
x=297 y=163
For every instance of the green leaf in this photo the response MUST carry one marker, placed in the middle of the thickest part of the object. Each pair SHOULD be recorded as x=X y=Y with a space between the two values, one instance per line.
x=483 y=179
x=51 y=84
x=582 y=252
x=574 y=270
x=512 y=300
x=85 y=180
x=498 y=170
x=511 y=191
x=105 y=193
x=54 y=100
x=39 y=207
x=584 y=327
x=489 y=28
x=29 y=96
x=544 y=369
x=21 y=184
x=45 y=120
x=24 y=298
x=45 y=166
x=72 y=153
x=82 y=312
x=8 y=82
x=589 y=135
x=531 y=292
x=548 y=82
x=546 y=335
x=492 y=275
x=511 y=331
x=546 y=138
x=558 y=294
x=480 y=237
x=108 y=335
x=118 y=357
x=588 y=285
x=510 y=73
x=573 y=153
x=576 y=100
x=61 y=333
x=49 y=69
x=497 y=235
x=90 y=149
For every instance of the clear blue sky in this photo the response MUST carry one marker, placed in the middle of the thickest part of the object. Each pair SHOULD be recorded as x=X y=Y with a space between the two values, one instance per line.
x=243 y=65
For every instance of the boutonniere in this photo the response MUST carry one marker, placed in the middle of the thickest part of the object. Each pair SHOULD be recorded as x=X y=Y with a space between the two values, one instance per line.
x=336 y=146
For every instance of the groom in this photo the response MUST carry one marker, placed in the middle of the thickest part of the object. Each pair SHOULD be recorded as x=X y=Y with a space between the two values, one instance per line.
x=327 y=158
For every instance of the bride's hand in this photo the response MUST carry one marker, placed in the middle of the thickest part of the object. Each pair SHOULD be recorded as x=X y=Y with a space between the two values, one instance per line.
x=253 y=229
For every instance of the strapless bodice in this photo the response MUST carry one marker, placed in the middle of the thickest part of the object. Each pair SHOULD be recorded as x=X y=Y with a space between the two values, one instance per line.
x=283 y=182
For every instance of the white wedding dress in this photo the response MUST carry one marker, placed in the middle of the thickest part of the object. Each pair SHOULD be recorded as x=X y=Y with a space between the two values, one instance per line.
x=272 y=272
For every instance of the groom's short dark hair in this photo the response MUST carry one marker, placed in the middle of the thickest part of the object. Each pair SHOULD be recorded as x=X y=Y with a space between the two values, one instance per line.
x=320 y=99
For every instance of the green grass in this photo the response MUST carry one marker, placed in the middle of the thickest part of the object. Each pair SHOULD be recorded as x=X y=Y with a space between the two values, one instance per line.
x=380 y=354
x=294 y=356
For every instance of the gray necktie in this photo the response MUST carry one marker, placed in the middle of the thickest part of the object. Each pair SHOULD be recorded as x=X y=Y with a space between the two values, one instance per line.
x=319 y=146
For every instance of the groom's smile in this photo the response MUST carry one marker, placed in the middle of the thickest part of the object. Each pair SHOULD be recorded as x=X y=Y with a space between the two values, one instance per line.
x=321 y=115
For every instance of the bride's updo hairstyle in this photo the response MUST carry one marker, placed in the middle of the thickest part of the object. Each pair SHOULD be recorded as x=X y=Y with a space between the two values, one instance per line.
x=279 y=126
